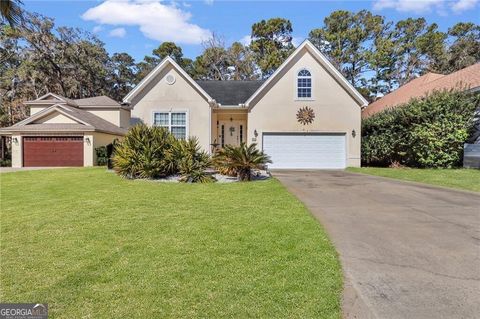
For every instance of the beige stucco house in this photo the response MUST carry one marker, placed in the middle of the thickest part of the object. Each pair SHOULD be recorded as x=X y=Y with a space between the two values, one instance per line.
x=263 y=112
x=65 y=132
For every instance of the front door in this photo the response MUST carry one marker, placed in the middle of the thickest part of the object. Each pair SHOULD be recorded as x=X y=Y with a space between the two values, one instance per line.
x=231 y=132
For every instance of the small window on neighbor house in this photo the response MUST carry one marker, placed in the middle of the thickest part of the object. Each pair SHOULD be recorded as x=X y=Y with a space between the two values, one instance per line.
x=175 y=122
x=304 y=84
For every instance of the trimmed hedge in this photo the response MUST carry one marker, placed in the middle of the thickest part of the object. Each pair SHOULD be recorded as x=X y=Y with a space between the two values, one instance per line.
x=428 y=132
x=102 y=156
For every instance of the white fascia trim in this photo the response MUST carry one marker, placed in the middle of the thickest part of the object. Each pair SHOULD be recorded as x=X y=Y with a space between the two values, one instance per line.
x=330 y=66
x=155 y=71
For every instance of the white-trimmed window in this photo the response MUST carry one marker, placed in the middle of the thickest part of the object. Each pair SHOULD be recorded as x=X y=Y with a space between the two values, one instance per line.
x=175 y=122
x=304 y=84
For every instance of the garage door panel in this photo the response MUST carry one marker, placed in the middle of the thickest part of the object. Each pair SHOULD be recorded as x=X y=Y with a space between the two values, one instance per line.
x=305 y=150
x=53 y=151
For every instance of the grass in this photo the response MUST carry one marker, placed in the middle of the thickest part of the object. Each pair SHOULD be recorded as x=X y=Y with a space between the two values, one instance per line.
x=467 y=179
x=93 y=245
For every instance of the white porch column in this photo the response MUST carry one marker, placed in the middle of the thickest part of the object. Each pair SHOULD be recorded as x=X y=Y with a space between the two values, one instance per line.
x=88 y=150
x=17 y=151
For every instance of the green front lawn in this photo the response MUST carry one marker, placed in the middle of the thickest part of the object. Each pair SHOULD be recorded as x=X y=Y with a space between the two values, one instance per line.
x=468 y=179
x=93 y=245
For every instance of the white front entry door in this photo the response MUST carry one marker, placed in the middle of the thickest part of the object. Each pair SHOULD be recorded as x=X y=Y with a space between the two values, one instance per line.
x=305 y=150
x=231 y=132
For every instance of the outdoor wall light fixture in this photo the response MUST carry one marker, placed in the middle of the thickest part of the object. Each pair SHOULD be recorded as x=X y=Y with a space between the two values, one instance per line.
x=255 y=133
x=87 y=140
x=354 y=133
x=15 y=140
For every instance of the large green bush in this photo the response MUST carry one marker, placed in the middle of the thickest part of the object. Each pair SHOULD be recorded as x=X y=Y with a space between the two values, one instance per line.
x=152 y=152
x=102 y=157
x=428 y=132
x=143 y=153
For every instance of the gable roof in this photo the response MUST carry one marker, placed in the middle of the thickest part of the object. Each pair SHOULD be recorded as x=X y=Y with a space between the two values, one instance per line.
x=50 y=98
x=326 y=64
x=86 y=122
x=468 y=78
x=151 y=76
x=230 y=92
x=96 y=101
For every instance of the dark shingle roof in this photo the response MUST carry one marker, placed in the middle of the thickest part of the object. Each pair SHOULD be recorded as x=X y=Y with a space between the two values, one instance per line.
x=96 y=101
x=230 y=92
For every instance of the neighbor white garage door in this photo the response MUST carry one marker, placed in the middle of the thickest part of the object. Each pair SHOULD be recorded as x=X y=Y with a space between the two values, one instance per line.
x=305 y=150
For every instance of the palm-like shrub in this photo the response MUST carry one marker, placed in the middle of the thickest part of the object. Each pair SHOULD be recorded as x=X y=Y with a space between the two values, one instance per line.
x=143 y=153
x=192 y=162
x=241 y=159
x=152 y=152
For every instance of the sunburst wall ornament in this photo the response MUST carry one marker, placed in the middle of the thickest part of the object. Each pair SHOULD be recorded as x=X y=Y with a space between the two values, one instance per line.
x=305 y=115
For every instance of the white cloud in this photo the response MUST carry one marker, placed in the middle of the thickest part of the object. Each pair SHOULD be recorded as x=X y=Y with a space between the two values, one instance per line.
x=117 y=32
x=463 y=5
x=208 y=2
x=296 y=41
x=156 y=21
x=418 y=6
x=245 y=40
x=97 y=28
x=422 y=6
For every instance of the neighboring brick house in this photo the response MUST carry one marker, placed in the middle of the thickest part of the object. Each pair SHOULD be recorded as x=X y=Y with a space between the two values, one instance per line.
x=467 y=78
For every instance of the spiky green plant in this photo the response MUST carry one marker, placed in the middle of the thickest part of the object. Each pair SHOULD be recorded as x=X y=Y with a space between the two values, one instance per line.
x=143 y=153
x=242 y=159
x=192 y=162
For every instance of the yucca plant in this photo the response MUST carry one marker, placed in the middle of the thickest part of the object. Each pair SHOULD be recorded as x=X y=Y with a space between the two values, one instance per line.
x=242 y=159
x=143 y=153
x=192 y=162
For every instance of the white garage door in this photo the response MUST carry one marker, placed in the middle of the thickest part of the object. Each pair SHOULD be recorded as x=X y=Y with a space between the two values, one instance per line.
x=305 y=150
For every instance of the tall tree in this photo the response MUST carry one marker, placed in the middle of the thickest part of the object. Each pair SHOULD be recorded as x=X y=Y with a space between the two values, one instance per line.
x=123 y=75
x=464 y=48
x=381 y=60
x=165 y=49
x=213 y=63
x=217 y=62
x=345 y=37
x=271 y=43
x=241 y=62
x=11 y=12
x=37 y=58
x=417 y=45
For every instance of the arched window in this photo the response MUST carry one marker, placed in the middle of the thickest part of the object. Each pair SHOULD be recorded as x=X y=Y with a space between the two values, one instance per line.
x=304 y=84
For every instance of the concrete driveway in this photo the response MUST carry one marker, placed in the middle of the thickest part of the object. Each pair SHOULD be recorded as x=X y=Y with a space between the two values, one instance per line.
x=407 y=250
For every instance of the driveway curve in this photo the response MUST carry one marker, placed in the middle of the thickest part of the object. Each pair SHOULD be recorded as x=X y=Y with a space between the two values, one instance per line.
x=408 y=250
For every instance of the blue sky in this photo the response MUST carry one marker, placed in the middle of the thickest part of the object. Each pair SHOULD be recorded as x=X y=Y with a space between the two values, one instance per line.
x=138 y=26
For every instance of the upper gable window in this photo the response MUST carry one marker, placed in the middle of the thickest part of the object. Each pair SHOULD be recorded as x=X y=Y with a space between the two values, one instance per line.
x=304 y=84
